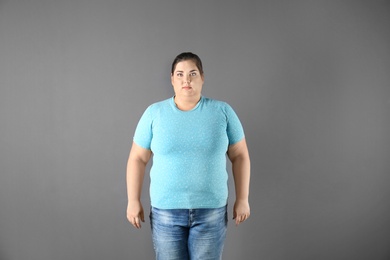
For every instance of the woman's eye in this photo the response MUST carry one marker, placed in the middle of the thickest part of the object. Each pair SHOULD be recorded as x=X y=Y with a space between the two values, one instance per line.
x=193 y=74
x=179 y=74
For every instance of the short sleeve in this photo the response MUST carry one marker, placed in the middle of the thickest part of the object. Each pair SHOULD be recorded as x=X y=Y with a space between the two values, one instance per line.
x=235 y=131
x=143 y=133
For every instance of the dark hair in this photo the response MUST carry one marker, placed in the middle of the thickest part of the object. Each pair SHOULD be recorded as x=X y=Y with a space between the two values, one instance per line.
x=187 y=56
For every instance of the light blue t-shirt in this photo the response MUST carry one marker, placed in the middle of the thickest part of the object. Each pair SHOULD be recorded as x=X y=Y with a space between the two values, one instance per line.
x=189 y=152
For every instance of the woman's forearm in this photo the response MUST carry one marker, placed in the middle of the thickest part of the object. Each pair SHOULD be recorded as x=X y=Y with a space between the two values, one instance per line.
x=241 y=175
x=135 y=172
x=135 y=177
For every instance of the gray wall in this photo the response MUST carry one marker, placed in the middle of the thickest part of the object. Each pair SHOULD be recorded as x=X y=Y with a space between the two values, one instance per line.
x=309 y=80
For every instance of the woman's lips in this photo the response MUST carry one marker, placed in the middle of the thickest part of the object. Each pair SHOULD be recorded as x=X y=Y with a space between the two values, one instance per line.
x=187 y=87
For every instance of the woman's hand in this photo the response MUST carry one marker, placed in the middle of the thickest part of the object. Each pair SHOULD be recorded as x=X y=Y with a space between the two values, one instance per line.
x=135 y=213
x=241 y=211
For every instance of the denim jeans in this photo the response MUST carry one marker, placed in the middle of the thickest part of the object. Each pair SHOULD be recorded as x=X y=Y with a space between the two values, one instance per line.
x=196 y=234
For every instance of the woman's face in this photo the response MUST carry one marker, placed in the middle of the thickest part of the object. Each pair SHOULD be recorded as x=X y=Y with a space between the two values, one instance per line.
x=187 y=80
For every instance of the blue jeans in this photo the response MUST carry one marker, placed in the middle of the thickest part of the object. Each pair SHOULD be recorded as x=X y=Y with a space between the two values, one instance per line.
x=196 y=234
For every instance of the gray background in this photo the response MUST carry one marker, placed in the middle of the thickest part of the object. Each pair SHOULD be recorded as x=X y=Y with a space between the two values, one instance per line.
x=309 y=80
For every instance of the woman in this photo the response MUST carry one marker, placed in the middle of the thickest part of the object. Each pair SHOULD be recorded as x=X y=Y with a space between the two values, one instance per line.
x=189 y=136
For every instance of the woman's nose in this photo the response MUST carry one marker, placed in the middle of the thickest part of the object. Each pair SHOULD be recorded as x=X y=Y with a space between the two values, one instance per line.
x=187 y=78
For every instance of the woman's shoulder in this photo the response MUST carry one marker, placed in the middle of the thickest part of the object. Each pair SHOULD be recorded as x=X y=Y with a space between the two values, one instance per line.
x=160 y=104
x=215 y=102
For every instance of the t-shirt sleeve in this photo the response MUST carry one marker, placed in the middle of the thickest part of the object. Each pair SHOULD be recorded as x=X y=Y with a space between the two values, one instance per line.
x=235 y=131
x=143 y=133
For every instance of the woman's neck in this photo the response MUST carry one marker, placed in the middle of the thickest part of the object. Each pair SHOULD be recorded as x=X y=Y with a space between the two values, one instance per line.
x=186 y=104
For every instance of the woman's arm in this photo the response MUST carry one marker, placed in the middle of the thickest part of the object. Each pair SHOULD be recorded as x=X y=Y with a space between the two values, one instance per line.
x=136 y=165
x=239 y=156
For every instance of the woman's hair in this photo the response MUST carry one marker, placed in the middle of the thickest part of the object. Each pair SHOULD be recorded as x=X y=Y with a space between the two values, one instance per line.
x=187 y=56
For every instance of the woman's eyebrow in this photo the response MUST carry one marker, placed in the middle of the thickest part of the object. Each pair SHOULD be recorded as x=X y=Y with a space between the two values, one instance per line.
x=190 y=70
